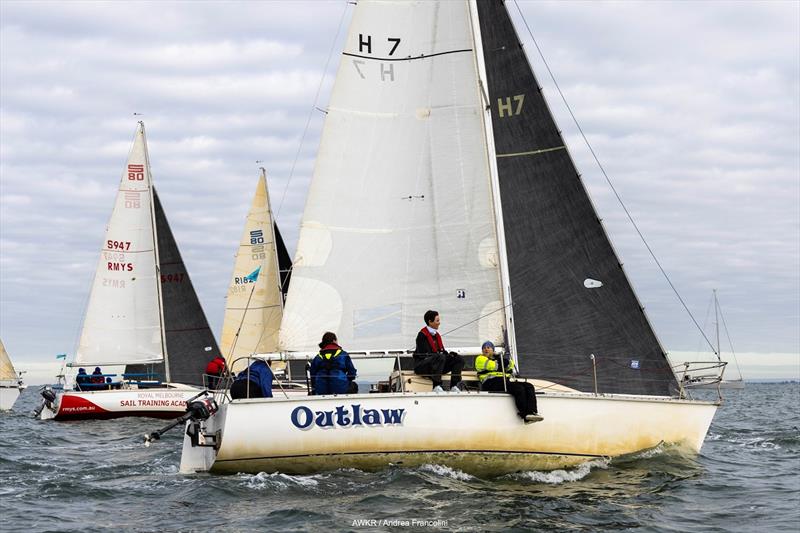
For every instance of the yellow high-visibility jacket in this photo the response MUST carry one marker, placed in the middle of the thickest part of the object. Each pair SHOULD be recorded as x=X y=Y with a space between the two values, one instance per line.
x=491 y=368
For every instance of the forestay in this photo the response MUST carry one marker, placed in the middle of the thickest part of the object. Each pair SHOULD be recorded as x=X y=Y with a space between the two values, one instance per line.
x=122 y=322
x=399 y=215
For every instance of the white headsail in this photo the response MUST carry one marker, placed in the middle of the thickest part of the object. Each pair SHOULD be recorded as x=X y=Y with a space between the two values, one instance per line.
x=123 y=319
x=255 y=303
x=7 y=371
x=399 y=216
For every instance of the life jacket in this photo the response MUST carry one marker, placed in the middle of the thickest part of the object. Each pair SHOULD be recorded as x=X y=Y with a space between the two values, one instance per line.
x=329 y=355
x=490 y=368
x=216 y=366
x=436 y=343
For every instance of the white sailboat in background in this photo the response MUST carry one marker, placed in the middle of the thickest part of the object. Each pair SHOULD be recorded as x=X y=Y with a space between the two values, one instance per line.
x=10 y=381
x=260 y=279
x=442 y=182
x=699 y=380
x=143 y=315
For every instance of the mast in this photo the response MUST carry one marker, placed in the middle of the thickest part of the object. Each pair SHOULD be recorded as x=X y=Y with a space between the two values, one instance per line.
x=272 y=233
x=716 y=325
x=157 y=261
x=505 y=284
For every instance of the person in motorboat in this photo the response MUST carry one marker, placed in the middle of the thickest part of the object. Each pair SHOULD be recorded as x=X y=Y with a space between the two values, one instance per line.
x=82 y=379
x=332 y=370
x=494 y=372
x=254 y=381
x=432 y=360
x=215 y=369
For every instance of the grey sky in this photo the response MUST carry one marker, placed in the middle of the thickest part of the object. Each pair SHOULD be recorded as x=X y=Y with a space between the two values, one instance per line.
x=692 y=107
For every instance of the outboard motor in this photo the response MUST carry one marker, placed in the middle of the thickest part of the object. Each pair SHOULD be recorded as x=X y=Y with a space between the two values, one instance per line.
x=48 y=400
x=49 y=396
x=199 y=408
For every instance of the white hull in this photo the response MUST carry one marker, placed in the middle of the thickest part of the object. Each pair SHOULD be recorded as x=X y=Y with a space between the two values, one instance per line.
x=9 y=395
x=167 y=401
x=478 y=433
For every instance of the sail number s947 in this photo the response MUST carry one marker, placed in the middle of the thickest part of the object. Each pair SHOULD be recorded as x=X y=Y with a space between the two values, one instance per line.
x=118 y=245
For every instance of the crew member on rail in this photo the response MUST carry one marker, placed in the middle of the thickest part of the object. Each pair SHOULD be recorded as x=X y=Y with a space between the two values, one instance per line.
x=215 y=369
x=254 y=381
x=332 y=370
x=494 y=373
x=432 y=360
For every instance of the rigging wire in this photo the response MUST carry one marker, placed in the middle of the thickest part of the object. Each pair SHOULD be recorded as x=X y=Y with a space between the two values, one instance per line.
x=608 y=180
x=728 y=335
x=465 y=324
x=311 y=111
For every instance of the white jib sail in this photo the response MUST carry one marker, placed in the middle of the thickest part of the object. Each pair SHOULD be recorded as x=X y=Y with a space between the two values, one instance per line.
x=122 y=322
x=7 y=371
x=254 y=305
x=399 y=215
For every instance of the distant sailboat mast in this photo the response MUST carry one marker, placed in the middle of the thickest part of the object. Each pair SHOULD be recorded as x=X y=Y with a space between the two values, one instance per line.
x=274 y=240
x=158 y=262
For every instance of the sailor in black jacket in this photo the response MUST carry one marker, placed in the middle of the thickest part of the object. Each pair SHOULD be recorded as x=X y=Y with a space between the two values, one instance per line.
x=432 y=360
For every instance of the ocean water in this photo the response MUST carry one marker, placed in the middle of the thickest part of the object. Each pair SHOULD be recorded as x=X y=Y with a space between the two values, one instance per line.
x=96 y=475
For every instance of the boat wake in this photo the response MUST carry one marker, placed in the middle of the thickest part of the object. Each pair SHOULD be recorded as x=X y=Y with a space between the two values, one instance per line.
x=446 y=471
x=557 y=477
x=279 y=481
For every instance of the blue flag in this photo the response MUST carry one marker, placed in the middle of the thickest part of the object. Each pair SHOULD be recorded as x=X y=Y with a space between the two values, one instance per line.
x=61 y=356
x=253 y=276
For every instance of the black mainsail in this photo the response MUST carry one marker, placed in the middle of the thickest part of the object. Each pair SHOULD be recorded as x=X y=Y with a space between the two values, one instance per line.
x=555 y=241
x=186 y=330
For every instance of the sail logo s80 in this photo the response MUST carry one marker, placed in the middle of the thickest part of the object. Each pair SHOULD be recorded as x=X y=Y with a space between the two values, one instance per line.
x=342 y=416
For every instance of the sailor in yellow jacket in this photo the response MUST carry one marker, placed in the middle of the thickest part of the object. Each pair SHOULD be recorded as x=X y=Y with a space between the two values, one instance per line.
x=494 y=374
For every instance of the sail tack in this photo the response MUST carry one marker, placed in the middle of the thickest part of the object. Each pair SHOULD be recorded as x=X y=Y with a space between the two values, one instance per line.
x=122 y=323
x=555 y=242
x=254 y=306
x=399 y=214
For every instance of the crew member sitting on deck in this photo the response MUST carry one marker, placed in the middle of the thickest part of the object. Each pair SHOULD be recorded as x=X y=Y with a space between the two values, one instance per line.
x=432 y=360
x=493 y=372
x=254 y=381
x=332 y=370
x=97 y=376
x=215 y=369
x=82 y=379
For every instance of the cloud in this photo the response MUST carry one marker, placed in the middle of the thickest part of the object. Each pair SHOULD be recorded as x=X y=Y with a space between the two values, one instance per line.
x=692 y=108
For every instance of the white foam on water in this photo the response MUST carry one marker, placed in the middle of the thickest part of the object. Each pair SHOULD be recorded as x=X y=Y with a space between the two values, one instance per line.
x=649 y=454
x=446 y=471
x=280 y=481
x=555 y=477
x=758 y=442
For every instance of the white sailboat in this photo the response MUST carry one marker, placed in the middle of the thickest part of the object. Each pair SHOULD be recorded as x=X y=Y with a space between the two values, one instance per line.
x=443 y=183
x=254 y=305
x=10 y=381
x=703 y=380
x=143 y=315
